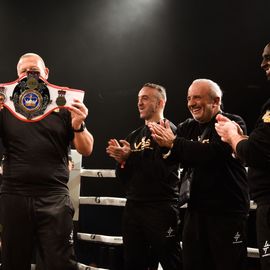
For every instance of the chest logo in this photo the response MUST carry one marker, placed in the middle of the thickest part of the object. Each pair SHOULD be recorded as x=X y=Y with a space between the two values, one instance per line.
x=266 y=117
x=143 y=144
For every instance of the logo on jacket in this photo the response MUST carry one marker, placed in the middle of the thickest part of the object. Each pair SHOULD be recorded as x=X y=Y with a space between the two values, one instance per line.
x=143 y=144
x=266 y=117
x=170 y=233
x=266 y=249
x=202 y=141
x=237 y=238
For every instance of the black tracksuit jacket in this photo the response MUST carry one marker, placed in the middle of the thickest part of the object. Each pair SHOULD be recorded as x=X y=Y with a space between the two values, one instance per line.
x=219 y=179
x=147 y=178
x=256 y=153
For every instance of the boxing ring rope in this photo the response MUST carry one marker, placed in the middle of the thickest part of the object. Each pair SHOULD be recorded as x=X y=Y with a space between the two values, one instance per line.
x=113 y=240
x=98 y=173
x=81 y=266
x=86 y=267
x=120 y=202
x=74 y=187
x=113 y=201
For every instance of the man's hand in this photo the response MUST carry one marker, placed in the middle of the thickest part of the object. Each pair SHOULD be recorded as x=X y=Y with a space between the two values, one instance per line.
x=162 y=133
x=119 y=152
x=229 y=131
x=79 y=113
x=83 y=141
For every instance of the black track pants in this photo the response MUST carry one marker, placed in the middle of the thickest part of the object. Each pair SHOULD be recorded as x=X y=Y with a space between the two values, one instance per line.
x=44 y=223
x=151 y=230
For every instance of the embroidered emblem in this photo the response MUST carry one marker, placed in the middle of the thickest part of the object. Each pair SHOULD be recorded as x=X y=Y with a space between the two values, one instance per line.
x=266 y=249
x=266 y=117
x=170 y=233
x=237 y=238
x=31 y=96
x=203 y=140
x=143 y=144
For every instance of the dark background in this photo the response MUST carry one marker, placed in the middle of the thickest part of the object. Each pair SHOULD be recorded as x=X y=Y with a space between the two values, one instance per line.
x=109 y=48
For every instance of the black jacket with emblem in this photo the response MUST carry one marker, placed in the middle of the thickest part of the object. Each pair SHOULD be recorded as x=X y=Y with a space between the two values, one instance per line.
x=256 y=153
x=146 y=176
x=219 y=179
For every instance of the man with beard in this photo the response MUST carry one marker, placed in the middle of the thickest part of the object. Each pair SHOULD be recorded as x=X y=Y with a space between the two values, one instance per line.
x=151 y=218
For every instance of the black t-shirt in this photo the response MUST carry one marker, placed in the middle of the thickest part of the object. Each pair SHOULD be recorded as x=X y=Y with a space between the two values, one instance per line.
x=36 y=154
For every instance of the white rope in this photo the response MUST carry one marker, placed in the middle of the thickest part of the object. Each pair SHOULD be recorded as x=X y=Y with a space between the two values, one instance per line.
x=81 y=266
x=118 y=240
x=253 y=252
x=103 y=201
x=101 y=173
x=114 y=201
x=115 y=240
x=86 y=267
x=98 y=173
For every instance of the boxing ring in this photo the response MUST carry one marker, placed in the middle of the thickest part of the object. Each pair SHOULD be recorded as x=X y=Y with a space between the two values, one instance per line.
x=78 y=175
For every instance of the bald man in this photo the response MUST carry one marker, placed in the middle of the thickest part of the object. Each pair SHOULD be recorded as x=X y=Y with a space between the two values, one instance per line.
x=214 y=234
x=35 y=207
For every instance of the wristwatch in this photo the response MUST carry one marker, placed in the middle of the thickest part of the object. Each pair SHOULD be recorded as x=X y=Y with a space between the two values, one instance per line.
x=81 y=129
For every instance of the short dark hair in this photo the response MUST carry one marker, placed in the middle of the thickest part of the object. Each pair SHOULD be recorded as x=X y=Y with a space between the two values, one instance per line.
x=160 y=89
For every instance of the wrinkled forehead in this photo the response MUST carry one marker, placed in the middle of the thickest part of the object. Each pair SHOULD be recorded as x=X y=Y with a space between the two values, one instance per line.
x=198 y=89
x=30 y=59
x=148 y=91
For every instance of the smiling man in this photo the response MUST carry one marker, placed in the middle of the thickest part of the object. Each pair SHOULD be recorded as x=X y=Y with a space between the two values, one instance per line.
x=266 y=60
x=151 y=216
x=215 y=220
x=35 y=206
x=204 y=100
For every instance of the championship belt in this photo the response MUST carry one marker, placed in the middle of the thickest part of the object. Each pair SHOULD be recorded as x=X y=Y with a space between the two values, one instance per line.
x=31 y=98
